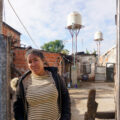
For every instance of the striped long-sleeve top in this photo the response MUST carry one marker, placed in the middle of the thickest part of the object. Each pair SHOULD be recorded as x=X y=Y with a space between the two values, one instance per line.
x=42 y=95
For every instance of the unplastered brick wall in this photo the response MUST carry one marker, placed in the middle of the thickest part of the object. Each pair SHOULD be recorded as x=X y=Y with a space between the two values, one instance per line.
x=9 y=31
x=19 y=60
x=53 y=59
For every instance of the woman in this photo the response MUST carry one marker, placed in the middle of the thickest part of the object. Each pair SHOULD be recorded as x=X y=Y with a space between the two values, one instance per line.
x=41 y=94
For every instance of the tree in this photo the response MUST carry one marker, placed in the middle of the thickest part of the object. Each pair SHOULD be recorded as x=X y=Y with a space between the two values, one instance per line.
x=94 y=52
x=87 y=52
x=53 y=46
x=65 y=51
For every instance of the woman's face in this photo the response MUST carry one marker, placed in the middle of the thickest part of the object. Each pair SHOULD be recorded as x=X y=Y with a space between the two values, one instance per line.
x=35 y=64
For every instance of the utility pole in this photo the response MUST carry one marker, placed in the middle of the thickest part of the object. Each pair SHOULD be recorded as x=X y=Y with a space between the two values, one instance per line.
x=117 y=82
x=3 y=71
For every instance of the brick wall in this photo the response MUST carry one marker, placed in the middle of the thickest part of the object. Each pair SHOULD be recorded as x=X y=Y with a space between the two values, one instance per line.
x=53 y=59
x=9 y=31
x=18 y=61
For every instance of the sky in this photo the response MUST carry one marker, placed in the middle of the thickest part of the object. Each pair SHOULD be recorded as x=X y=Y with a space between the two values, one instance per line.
x=46 y=20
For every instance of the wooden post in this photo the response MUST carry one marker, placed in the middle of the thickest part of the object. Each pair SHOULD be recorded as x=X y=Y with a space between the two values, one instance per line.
x=117 y=81
x=91 y=105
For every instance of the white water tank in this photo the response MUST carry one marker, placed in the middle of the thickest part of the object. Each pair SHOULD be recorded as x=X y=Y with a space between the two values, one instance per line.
x=74 y=20
x=98 y=36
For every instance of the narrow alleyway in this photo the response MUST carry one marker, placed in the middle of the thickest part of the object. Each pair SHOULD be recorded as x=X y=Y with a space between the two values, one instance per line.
x=104 y=98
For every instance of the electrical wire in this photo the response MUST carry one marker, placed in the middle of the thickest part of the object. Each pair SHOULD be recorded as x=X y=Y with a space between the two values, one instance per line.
x=27 y=30
x=23 y=25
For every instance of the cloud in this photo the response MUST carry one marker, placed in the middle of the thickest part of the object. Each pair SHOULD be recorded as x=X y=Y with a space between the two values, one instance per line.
x=46 y=20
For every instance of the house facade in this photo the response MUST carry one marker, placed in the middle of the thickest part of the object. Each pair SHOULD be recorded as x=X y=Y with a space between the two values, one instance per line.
x=108 y=60
x=108 y=57
x=86 y=66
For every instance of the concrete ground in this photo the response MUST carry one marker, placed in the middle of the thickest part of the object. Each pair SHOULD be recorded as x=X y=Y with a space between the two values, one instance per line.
x=104 y=98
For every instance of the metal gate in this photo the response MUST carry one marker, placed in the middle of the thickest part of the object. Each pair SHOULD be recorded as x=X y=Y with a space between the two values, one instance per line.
x=100 y=73
x=110 y=72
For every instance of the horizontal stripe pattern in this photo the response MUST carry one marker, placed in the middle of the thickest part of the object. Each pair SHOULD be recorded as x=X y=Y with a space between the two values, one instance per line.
x=42 y=95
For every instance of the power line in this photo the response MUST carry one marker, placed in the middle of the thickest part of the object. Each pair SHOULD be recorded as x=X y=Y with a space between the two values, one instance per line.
x=22 y=24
